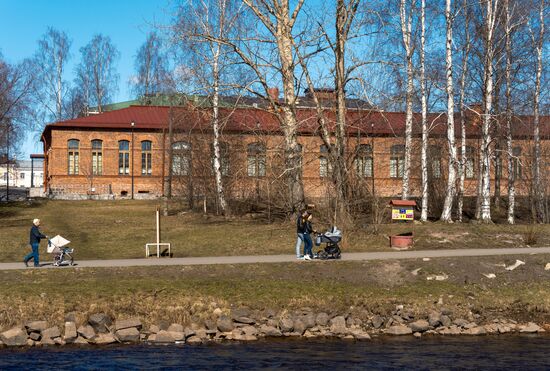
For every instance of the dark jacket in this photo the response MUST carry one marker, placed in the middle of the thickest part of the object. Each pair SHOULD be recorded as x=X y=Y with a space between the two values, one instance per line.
x=35 y=235
x=300 y=224
x=308 y=228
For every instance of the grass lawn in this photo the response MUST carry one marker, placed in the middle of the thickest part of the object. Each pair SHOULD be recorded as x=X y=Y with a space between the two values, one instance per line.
x=120 y=229
x=184 y=294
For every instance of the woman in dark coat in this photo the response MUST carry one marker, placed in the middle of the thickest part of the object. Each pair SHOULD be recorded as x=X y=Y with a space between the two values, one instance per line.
x=308 y=243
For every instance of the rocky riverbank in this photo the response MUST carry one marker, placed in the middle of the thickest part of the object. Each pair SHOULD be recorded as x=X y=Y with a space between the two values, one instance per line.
x=244 y=324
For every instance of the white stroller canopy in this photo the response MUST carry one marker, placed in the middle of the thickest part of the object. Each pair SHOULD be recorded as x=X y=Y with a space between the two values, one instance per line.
x=57 y=241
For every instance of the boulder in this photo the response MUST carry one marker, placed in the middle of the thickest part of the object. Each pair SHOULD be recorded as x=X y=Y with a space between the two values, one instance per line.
x=434 y=319
x=321 y=319
x=130 y=334
x=154 y=329
x=452 y=330
x=70 y=332
x=47 y=341
x=188 y=332
x=70 y=317
x=175 y=327
x=460 y=322
x=105 y=338
x=100 y=322
x=308 y=320
x=127 y=323
x=419 y=326
x=399 y=330
x=338 y=325
x=377 y=321
x=211 y=325
x=51 y=333
x=446 y=321
x=14 y=337
x=240 y=312
x=286 y=324
x=164 y=337
x=30 y=343
x=35 y=336
x=479 y=330
x=59 y=341
x=531 y=328
x=36 y=326
x=299 y=326
x=225 y=324
x=201 y=333
x=245 y=320
x=194 y=340
x=359 y=334
x=177 y=335
x=270 y=331
x=80 y=340
x=152 y=338
x=87 y=332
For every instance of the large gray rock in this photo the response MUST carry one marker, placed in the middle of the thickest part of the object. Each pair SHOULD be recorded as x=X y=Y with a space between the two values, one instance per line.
x=70 y=332
x=245 y=320
x=194 y=340
x=446 y=321
x=176 y=327
x=321 y=319
x=225 y=324
x=36 y=326
x=250 y=330
x=188 y=332
x=51 y=333
x=80 y=340
x=106 y=338
x=130 y=334
x=434 y=319
x=164 y=337
x=338 y=325
x=35 y=336
x=531 y=328
x=299 y=326
x=419 y=326
x=286 y=324
x=270 y=331
x=377 y=321
x=14 y=337
x=87 y=332
x=479 y=330
x=461 y=322
x=127 y=323
x=399 y=330
x=452 y=330
x=240 y=312
x=100 y=322
x=308 y=320
x=177 y=335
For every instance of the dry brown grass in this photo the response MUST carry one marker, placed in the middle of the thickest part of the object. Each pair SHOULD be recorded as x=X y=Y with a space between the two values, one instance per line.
x=120 y=229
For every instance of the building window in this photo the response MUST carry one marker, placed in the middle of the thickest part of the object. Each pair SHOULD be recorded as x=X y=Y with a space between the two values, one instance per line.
x=22 y=175
x=325 y=167
x=146 y=157
x=469 y=166
x=181 y=158
x=434 y=153
x=124 y=157
x=256 y=159
x=97 y=157
x=397 y=161
x=74 y=155
x=224 y=158
x=363 y=161
x=517 y=168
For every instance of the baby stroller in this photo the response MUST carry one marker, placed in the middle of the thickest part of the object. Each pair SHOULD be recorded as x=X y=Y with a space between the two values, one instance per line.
x=331 y=239
x=61 y=254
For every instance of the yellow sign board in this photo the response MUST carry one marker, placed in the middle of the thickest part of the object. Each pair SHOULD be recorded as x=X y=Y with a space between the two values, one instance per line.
x=405 y=213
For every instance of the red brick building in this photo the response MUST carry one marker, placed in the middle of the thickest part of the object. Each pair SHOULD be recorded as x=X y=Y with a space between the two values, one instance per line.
x=133 y=151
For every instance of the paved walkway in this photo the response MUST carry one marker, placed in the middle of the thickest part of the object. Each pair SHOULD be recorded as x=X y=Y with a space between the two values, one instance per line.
x=358 y=256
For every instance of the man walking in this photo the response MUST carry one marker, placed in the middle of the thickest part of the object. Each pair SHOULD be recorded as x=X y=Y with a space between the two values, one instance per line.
x=35 y=237
x=300 y=222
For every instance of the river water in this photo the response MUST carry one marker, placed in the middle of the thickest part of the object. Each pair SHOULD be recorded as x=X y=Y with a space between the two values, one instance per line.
x=483 y=353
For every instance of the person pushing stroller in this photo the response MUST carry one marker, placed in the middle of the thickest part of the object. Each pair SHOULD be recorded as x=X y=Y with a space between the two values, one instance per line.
x=304 y=229
x=35 y=237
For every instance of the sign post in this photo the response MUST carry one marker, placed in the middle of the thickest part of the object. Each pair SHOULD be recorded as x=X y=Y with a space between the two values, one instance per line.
x=402 y=211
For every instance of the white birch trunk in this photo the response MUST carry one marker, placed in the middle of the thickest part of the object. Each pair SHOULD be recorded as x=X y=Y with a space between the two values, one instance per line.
x=424 y=151
x=485 y=131
x=446 y=214
x=463 y=159
x=539 y=194
x=406 y=26
x=509 y=144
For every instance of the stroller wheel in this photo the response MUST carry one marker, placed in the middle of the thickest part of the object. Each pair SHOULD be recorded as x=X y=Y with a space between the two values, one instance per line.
x=337 y=255
x=323 y=255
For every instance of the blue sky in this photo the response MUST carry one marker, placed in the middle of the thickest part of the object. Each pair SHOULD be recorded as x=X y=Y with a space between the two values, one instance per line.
x=125 y=21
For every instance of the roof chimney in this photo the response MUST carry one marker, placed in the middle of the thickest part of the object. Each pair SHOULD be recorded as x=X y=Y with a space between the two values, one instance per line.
x=321 y=93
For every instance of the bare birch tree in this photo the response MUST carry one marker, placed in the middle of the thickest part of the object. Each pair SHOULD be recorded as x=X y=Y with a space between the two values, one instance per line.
x=424 y=150
x=96 y=71
x=537 y=183
x=446 y=214
x=508 y=28
x=50 y=62
x=406 y=12
x=462 y=108
x=152 y=68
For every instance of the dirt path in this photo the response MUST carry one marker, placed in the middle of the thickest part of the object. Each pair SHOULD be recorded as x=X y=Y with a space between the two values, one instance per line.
x=290 y=258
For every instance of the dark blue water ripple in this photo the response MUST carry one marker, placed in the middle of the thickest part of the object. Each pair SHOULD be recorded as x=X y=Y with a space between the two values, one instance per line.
x=436 y=353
